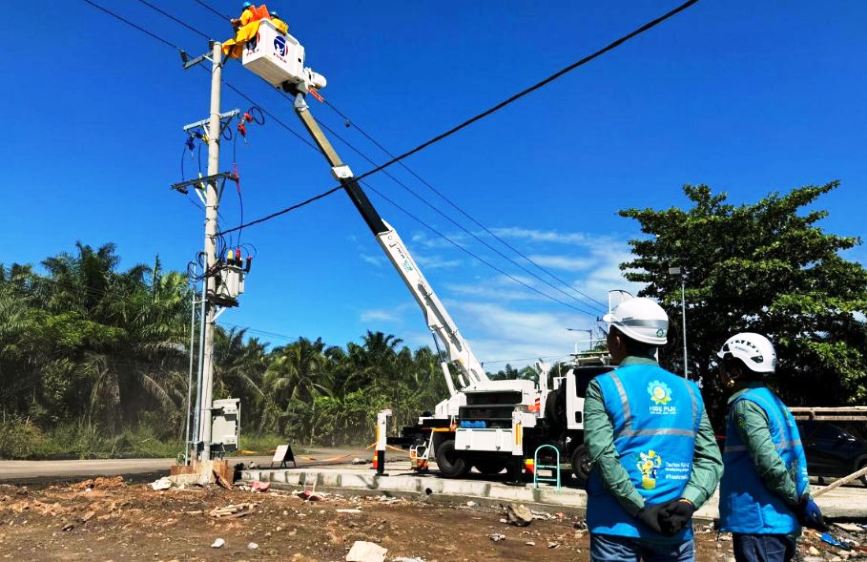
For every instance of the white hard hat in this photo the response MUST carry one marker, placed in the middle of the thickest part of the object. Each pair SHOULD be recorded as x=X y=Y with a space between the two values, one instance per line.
x=755 y=350
x=640 y=319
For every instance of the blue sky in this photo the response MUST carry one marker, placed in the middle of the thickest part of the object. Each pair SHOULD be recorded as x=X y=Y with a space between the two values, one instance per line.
x=746 y=97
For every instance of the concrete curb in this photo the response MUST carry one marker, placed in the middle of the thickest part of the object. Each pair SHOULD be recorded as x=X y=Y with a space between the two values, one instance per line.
x=839 y=504
x=408 y=484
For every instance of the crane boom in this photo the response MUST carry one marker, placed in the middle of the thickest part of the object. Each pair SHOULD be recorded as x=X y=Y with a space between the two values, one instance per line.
x=457 y=350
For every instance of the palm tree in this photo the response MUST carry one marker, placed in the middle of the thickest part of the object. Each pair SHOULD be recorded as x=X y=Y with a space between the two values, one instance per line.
x=297 y=374
x=239 y=368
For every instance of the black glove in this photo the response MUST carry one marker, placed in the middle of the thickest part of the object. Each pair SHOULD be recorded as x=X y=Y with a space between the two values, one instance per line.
x=649 y=515
x=809 y=514
x=675 y=515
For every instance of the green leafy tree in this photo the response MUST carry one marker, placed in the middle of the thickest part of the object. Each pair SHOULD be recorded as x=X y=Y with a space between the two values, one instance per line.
x=766 y=267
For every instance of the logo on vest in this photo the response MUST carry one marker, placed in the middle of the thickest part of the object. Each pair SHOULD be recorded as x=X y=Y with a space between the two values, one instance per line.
x=660 y=395
x=648 y=465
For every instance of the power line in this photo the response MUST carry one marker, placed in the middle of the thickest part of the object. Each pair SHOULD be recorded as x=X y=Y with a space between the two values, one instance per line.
x=212 y=10
x=402 y=184
x=247 y=329
x=174 y=19
x=134 y=25
x=511 y=99
x=394 y=160
x=476 y=256
x=581 y=62
x=284 y=210
x=273 y=118
x=455 y=205
x=524 y=359
x=452 y=220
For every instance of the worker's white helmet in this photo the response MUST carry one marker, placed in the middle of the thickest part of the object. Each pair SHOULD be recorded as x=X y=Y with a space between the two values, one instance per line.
x=755 y=350
x=640 y=319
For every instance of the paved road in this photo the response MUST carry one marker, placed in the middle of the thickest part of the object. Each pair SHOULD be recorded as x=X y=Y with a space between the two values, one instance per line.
x=31 y=471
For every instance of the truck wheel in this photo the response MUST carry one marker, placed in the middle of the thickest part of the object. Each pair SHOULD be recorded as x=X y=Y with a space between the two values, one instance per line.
x=581 y=464
x=450 y=463
x=489 y=467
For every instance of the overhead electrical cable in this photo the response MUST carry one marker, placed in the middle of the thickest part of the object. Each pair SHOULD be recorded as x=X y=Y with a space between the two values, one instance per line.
x=477 y=257
x=134 y=25
x=515 y=97
x=213 y=10
x=174 y=19
x=581 y=62
x=453 y=221
x=420 y=147
x=443 y=196
x=348 y=120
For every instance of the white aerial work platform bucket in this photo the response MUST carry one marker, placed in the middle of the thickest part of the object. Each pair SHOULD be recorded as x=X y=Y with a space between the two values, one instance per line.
x=274 y=57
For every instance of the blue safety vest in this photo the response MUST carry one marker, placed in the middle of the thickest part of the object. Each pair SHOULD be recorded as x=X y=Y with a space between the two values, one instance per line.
x=655 y=415
x=746 y=505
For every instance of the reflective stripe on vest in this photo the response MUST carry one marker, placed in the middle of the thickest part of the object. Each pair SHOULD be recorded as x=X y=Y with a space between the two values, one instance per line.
x=655 y=416
x=746 y=505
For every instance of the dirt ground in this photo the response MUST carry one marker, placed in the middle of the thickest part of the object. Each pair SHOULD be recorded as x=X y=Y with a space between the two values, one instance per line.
x=107 y=519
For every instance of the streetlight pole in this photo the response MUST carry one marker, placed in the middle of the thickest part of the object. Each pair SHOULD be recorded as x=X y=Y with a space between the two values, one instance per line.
x=589 y=333
x=682 y=273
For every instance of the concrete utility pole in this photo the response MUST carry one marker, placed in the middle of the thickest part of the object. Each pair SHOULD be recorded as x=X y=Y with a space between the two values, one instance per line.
x=212 y=202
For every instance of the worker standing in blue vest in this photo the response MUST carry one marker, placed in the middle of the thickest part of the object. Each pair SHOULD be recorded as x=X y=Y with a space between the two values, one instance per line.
x=765 y=493
x=653 y=454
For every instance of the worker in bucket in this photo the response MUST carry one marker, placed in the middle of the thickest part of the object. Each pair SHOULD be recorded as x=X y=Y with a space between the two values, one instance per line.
x=281 y=25
x=653 y=454
x=765 y=492
x=248 y=12
x=246 y=27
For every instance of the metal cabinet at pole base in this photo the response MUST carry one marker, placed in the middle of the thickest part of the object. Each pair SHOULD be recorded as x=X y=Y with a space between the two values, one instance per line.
x=225 y=425
x=278 y=59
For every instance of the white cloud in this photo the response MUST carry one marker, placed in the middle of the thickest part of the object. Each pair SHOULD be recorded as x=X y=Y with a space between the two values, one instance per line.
x=502 y=319
x=535 y=235
x=505 y=333
x=566 y=263
x=379 y=315
x=607 y=275
x=436 y=262
x=376 y=261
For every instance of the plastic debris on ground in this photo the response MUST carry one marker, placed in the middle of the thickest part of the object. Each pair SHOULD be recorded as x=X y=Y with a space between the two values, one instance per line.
x=363 y=551
x=830 y=539
x=218 y=543
x=163 y=483
x=252 y=546
x=497 y=537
